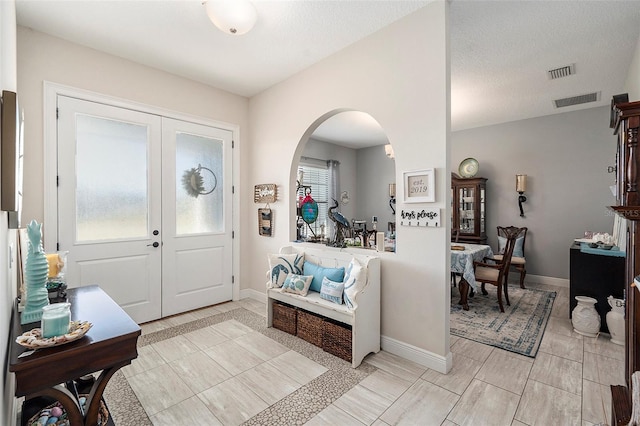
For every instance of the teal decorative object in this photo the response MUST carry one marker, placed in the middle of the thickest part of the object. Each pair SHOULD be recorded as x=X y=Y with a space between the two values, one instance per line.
x=35 y=274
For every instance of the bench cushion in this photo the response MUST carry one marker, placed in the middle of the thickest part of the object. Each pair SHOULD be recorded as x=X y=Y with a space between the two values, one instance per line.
x=312 y=302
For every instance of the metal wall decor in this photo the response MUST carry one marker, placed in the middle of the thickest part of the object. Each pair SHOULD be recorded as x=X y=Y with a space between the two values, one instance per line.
x=265 y=222
x=194 y=183
x=265 y=193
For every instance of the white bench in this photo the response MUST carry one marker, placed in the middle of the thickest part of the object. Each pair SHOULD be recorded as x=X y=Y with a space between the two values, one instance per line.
x=364 y=319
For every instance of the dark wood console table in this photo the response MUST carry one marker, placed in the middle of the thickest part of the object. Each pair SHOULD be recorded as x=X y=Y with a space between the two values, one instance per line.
x=109 y=345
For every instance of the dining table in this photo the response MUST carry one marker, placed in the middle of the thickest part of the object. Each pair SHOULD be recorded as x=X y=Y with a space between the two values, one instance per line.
x=462 y=257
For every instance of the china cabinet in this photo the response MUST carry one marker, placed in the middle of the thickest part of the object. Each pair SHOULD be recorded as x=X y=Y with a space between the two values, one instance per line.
x=468 y=208
x=625 y=120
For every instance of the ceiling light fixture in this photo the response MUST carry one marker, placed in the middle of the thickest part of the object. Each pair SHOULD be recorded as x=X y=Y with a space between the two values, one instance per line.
x=234 y=17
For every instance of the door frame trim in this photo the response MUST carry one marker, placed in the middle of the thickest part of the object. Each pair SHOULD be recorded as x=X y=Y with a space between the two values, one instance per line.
x=51 y=91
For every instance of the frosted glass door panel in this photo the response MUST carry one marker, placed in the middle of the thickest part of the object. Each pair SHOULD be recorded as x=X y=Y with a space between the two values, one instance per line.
x=112 y=199
x=199 y=185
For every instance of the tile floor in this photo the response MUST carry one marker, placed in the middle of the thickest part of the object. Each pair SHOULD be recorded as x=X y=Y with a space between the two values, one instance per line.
x=228 y=372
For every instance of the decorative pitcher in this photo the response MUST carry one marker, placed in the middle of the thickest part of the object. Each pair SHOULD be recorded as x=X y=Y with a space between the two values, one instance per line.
x=615 y=320
x=585 y=318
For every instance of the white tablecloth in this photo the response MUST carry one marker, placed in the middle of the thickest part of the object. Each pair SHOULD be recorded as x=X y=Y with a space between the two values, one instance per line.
x=462 y=260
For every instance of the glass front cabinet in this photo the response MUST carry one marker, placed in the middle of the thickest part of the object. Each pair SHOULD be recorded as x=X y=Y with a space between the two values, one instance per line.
x=468 y=208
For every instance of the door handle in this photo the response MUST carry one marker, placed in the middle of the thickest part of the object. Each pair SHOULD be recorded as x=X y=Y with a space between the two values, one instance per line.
x=155 y=244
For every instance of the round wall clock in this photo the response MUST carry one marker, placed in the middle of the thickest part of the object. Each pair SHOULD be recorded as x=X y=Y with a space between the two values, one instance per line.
x=468 y=167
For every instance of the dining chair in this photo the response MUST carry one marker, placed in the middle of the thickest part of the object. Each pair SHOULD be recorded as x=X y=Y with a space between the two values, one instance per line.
x=496 y=273
x=518 y=260
x=455 y=235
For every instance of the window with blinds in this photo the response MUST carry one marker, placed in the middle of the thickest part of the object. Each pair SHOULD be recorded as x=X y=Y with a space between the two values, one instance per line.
x=317 y=179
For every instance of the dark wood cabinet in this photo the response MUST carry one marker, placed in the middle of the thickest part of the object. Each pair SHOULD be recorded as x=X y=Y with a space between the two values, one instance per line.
x=625 y=120
x=598 y=276
x=468 y=209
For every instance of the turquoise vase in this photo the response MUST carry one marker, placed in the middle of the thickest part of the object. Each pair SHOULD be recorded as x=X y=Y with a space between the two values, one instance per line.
x=35 y=274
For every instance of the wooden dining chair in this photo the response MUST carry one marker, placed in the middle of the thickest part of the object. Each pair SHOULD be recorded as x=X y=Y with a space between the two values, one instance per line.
x=455 y=235
x=518 y=260
x=495 y=273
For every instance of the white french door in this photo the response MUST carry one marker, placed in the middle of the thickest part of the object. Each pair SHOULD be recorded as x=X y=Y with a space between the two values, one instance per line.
x=144 y=207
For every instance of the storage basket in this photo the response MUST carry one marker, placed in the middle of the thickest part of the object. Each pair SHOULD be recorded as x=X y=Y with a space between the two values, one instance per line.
x=285 y=317
x=310 y=327
x=336 y=339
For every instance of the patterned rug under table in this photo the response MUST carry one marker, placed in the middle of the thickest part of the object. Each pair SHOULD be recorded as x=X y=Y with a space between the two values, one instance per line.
x=519 y=329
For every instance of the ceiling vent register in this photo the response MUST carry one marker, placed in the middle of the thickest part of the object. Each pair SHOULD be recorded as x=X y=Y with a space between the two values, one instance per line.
x=561 y=72
x=576 y=100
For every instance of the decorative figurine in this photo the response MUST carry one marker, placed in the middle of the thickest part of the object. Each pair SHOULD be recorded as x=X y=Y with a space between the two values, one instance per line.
x=36 y=271
x=342 y=225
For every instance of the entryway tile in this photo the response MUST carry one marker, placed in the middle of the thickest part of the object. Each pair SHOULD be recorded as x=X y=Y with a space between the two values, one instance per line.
x=386 y=384
x=233 y=357
x=593 y=409
x=542 y=404
x=191 y=411
x=561 y=326
x=232 y=329
x=422 y=404
x=561 y=307
x=562 y=346
x=506 y=372
x=332 y=416
x=604 y=370
x=159 y=389
x=558 y=372
x=602 y=346
x=268 y=383
x=472 y=349
x=232 y=402
x=174 y=348
x=205 y=337
x=458 y=379
x=261 y=346
x=363 y=404
x=147 y=359
x=484 y=404
x=298 y=367
x=199 y=371
x=405 y=369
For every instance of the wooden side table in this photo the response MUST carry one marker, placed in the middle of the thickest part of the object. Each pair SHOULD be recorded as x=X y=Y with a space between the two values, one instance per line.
x=109 y=345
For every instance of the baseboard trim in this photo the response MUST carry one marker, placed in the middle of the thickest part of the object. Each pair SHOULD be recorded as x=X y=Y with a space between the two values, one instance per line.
x=253 y=294
x=541 y=279
x=413 y=353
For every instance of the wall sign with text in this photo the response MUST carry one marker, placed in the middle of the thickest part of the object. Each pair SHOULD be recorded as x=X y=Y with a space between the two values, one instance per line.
x=424 y=217
x=419 y=186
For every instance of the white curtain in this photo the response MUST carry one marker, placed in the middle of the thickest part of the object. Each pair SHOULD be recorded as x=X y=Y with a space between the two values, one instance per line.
x=334 y=191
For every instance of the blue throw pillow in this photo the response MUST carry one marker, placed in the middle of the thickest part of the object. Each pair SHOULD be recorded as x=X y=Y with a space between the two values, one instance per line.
x=319 y=272
x=332 y=291
x=517 y=250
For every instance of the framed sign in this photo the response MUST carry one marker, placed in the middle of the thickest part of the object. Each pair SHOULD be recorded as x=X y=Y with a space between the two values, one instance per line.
x=265 y=193
x=419 y=186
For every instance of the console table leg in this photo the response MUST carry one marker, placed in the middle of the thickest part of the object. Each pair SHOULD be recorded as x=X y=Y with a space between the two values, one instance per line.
x=66 y=398
x=95 y=395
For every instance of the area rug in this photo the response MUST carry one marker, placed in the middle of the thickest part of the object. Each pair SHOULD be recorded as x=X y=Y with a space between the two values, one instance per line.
x=297 y=408
x=519 y=329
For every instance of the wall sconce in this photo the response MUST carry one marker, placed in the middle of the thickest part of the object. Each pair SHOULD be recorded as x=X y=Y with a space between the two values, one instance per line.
x=388 y=149
x=392 y=196
x=521 y=187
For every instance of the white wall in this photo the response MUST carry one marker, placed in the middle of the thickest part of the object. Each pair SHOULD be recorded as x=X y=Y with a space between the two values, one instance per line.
x=7 y=237
x=565 y=157
x=45 y=58
x=375 y=172
x=400 y=76
x=632 y=85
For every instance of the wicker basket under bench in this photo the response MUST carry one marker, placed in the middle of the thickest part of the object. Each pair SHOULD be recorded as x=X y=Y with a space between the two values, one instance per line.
x=349 y=334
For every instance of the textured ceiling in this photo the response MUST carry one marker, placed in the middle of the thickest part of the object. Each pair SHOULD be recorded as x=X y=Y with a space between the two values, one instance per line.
x=500 y=50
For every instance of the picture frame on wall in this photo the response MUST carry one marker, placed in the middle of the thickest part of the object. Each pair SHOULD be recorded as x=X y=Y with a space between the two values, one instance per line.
x=419 y=186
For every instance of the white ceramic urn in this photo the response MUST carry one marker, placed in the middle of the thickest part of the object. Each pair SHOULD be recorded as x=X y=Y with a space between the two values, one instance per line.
x=615 y=320
x=585 y=318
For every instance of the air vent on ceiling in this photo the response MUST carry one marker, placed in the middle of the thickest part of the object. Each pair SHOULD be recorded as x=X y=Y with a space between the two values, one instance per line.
x=576 y=100
x=565 y=71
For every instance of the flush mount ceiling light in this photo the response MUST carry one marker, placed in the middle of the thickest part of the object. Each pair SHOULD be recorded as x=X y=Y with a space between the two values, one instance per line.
x=234 y=17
